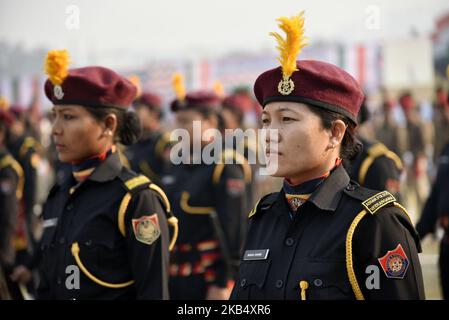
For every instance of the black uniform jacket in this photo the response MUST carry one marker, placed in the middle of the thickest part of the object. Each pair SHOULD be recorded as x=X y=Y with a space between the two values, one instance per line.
x=345 y=242
x=119 y=257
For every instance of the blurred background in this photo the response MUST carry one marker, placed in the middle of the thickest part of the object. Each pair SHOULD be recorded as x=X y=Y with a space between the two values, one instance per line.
x=390 y=47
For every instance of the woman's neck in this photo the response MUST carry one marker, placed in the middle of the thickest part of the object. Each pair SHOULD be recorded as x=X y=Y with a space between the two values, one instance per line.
x=314 y=173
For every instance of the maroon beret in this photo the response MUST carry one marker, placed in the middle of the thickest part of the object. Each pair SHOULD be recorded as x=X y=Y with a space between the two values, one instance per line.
x=150 y=100
x=6 y=117
x=17 y=109
x=202 y=99
x=242 y=102
x=93 y=87
x=316 y=83
x=406 y=101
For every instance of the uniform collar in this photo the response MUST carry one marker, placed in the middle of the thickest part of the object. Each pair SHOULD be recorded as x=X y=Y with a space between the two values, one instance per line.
x=109 y=169
x=326 y=197
x=328 y=194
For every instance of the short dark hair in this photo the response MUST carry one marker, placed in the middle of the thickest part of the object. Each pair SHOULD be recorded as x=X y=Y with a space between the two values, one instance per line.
x=129 y=128
x=350 y=145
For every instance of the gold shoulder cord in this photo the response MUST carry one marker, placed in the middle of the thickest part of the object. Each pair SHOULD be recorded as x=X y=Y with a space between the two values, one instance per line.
x=185 y=196
x=349 y=263
x=375 y=152
x=75 y=252
x=10 y=161
x=131 y=184
x=241 y=160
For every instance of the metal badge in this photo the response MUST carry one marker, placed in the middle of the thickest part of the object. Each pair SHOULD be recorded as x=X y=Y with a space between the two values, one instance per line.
x=59 y=94
x=286 y=86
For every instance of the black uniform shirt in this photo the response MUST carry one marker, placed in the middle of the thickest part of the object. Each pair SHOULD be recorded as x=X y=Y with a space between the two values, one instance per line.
x=89 y=216
x=306 y=258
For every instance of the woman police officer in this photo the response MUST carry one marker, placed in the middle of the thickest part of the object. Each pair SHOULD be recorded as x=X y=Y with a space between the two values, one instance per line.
x=322 y=236
x=104 y=224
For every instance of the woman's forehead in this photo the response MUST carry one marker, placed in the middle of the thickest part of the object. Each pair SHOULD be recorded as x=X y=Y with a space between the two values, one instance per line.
x=66 y=107
x=285 y=106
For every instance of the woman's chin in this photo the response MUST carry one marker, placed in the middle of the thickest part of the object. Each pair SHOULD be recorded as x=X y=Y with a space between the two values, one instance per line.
x=63 y=157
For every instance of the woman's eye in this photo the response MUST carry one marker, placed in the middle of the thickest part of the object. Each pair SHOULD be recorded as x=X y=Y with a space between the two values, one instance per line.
x=265 y=121
x=287 y=119
x=68 y=117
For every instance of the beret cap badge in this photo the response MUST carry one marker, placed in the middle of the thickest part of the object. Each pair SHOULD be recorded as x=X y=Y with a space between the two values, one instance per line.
x=57 y=90
x=289 y=48
x=286 y=86
x=57 y=69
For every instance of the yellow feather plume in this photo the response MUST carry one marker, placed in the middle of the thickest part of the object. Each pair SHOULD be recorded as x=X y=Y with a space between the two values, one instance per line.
x=178 y=86
x=447 y=71
x=4 y=103
x=136 y=81
x=290 y=46
x=218 y=89
x=57 y=66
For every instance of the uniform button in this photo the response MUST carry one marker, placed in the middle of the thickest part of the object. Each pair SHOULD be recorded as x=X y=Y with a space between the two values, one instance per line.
x=289 y=242
x=318 y=282
x=88 y=242
x=69 y=206
x=243 y=283
x=350 y=187
x=59 y=281
x=43 y=247
x=279 y=284
x=62 y=240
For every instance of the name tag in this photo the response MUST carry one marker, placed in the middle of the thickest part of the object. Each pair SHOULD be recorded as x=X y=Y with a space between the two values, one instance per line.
x=260 y=254
x=49 y=223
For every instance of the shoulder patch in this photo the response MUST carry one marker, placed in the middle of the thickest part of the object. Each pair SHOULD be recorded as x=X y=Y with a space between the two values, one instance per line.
x=264 y=203
x=394 y=263
x=379 y=200
x=146 y=228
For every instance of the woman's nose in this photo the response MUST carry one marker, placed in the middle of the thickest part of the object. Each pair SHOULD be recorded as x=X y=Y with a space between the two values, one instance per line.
x=56 y=128
x=271 y=135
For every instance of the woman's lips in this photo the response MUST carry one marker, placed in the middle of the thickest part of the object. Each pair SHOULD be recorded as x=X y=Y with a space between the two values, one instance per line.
x=60 y=146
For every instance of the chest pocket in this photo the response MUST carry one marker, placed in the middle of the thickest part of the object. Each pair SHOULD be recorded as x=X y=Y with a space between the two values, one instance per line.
x=326 y=281
x=100 y=255
x=104 y=249
x=252 y=277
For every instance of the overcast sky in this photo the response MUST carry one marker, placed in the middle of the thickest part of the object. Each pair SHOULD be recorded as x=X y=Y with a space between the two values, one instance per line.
x=185 y=27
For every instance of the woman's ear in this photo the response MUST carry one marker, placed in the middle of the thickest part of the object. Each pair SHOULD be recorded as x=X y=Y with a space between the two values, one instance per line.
x=337 y=133
x=110 y=123
x=212 y=121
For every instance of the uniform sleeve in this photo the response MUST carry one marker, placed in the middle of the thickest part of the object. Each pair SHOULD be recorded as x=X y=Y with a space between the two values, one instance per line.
x=8 y=214
x=388 y=243
x=230 y=198
x=437 y=204
x=429 y=216
x=147 y=237
x=30 y=163
x=383 y=175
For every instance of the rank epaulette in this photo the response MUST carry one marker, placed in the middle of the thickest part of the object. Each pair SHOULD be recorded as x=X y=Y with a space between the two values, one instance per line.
x=378 y=201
